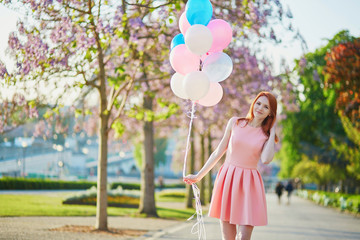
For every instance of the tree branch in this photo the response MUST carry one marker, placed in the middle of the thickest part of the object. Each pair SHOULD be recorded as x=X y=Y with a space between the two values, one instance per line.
x=91 y=82
x=79 y=10
x=115 y=95
x=148 y=5
x=122 y=105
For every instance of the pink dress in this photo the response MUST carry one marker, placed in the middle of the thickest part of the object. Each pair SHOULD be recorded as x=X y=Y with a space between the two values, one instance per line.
x=238 y=195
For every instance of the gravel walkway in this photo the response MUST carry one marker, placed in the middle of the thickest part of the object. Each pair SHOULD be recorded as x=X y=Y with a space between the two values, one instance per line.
x=41 y=227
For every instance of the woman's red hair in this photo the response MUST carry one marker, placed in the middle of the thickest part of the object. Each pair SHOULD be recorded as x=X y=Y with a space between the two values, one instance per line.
x=269 y=121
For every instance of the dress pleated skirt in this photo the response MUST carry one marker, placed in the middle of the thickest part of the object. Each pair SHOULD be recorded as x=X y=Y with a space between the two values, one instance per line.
x=239 y=196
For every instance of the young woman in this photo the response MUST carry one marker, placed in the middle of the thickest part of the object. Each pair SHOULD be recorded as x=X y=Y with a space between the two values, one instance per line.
x=238 y=197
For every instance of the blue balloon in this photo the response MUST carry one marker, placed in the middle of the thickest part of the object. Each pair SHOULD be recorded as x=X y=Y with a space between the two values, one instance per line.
x=177 y=40
x=199 y=11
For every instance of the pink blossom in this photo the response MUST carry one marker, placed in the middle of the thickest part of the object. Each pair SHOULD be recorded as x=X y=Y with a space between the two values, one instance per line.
x=39 y=128
x=3 y=70
x=14 y=42
x=1 y=126
x=33 y=112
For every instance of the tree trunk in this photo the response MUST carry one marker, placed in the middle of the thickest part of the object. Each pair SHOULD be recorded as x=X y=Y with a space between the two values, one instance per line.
x=101 y=199
x=202 y=159
x=147 y=198
x=191 y=167
x=210 y=186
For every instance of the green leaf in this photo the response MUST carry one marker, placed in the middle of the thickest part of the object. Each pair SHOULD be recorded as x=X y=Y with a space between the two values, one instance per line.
x=32 y=103
x=120 y=70
x=139 y=115
x=88 y=55
x=56 y=110
x=119 y=128
x=177 y=5
x=88 y=112
x=149 y=116
x=48 y=114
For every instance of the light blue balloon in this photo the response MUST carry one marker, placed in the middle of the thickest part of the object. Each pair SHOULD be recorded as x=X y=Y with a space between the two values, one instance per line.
x=218 y=66
x=177 y=40
x=199 y=12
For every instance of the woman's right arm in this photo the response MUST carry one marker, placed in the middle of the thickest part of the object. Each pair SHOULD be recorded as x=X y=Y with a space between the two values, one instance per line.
x=214 y=157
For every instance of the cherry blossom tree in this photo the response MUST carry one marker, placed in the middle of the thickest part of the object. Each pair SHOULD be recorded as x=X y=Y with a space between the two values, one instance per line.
x=15 y=112
x=93 y=50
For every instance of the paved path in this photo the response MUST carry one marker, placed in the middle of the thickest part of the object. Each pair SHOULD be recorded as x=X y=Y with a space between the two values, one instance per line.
x=301 y=220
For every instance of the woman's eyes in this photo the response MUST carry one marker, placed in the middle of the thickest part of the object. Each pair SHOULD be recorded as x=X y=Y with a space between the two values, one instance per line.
x=258 y=103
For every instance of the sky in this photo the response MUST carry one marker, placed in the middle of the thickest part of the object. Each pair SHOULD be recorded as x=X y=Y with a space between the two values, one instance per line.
x=316 y=20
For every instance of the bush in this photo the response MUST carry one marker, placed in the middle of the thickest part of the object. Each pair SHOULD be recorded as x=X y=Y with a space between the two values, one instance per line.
x=125 y=186
x=344 y=202
x=175 y=185
x=9 y=183
x=116 y=198
x=41 y=184
x=180 y=195
x=136 y=186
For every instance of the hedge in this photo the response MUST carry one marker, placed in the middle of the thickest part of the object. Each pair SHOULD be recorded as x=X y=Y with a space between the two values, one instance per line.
x=136 y=186
x=8 y=183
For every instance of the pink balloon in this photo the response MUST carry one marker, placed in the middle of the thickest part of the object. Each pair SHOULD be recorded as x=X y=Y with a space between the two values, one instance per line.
x=222 y=34
x=183 y=61
x=183 y=23
x=213 y=96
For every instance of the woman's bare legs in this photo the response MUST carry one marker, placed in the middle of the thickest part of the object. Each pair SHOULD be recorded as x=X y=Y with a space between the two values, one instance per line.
x=245 y=232
x=228 y=230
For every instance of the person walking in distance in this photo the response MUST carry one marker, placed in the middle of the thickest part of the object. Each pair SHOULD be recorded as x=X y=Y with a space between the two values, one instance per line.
x=238 y=198
x=289 y=188
x=279 y=188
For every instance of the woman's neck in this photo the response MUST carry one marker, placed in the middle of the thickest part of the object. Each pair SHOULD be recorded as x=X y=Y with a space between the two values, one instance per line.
x=255 y=122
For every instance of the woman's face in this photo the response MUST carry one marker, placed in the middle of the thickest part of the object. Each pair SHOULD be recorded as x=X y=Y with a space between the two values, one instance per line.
x=261 y=108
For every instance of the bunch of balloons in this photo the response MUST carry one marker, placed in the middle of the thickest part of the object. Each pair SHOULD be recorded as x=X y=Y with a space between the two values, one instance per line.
x=199 y=61
x=197 y=54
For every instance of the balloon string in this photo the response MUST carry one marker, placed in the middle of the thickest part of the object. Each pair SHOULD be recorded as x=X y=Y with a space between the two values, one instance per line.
x=199 y=226
x=192 y=116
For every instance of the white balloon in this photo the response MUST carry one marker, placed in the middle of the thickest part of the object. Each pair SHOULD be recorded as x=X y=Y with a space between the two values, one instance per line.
x=218 y=66
x=176 y=85
x=196 y=85
x=198 y=39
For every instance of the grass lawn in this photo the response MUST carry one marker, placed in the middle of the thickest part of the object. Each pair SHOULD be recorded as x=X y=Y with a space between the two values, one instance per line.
x=48 y=205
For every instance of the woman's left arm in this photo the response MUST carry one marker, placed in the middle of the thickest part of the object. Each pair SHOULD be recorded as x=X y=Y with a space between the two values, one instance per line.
x=268 y=151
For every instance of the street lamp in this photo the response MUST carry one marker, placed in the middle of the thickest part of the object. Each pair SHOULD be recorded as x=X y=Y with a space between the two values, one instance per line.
x=85 y=151
x=19 y=166
x=24 y=146
x=59 y=148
